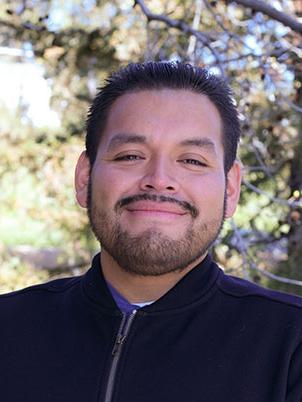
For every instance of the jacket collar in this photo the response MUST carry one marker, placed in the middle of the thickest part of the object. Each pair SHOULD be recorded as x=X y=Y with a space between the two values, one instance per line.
x=194 y=287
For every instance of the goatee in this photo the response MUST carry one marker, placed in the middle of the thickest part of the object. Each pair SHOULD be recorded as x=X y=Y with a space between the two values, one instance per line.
x=152 y=252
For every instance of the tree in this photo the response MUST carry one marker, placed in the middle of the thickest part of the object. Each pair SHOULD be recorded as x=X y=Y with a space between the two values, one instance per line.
x=255 y=46
x=259 y=49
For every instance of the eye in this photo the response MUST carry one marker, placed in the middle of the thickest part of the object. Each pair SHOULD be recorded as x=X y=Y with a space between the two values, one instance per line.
x=130 y=158
x=194 y=162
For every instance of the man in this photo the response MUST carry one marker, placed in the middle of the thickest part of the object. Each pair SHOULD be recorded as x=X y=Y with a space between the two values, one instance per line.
x=154 y=319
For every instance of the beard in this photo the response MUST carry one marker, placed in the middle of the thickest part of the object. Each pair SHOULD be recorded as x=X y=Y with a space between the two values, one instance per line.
x=152 y=253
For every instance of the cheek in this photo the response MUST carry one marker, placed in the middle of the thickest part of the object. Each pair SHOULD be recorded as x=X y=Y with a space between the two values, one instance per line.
x=209 y=190
x=109 y=185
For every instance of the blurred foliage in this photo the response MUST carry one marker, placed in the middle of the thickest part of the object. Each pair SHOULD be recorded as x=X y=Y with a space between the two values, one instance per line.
x=78 y=43
x=16 y=275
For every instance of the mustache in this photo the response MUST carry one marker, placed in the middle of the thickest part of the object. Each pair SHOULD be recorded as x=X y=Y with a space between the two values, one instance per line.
x=157 y=198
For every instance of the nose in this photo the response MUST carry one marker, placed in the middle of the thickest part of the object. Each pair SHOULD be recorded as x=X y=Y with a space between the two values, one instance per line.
x=158 y=177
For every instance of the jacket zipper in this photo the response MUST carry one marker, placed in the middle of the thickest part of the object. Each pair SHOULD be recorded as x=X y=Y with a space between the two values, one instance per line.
x=116 y=352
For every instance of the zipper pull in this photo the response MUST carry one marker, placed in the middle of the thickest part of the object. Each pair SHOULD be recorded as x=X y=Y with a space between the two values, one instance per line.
x=118 y=343
x=123 y=331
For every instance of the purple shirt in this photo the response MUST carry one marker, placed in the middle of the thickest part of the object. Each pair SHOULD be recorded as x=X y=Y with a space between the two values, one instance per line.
x=123 y=303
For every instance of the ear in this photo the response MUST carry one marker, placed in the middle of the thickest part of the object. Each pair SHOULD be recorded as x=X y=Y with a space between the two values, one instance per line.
x=81 y=179
x=233 y=188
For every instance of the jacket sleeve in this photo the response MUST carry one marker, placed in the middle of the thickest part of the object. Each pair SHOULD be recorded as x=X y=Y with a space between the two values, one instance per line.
x=294 y=385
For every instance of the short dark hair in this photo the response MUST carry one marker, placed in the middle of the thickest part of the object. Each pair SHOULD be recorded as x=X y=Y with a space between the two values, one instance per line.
x=160 y=75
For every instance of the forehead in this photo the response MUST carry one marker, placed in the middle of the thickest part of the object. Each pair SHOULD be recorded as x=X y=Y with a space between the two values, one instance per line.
x=166 y=115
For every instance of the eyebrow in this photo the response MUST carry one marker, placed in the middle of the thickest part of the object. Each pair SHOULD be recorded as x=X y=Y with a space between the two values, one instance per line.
x=120 y=139
x=124 y=138
x=203 y=142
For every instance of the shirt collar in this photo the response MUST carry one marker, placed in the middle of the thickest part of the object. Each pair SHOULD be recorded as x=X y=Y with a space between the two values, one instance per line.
x=193 y=288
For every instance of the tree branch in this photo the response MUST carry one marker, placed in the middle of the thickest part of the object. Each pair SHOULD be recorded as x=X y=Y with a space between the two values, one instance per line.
x=247 y=261
x=178 y=24
x=196 y=21
x=272 y=12
x=287 y=203
x=204 y=38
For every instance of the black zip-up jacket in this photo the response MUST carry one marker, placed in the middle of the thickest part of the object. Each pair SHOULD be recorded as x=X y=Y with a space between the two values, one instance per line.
x=212 y=338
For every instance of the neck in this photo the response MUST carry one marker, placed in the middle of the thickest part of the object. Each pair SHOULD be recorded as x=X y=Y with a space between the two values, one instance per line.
x=139 y=288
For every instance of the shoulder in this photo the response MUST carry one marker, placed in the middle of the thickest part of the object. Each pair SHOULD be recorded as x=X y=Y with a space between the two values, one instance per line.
x=55 y=286
x=32 y=297
x=275 y=315
x=243 y=289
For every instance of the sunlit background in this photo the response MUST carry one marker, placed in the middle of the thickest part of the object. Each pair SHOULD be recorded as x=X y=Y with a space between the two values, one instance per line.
x=53 y=56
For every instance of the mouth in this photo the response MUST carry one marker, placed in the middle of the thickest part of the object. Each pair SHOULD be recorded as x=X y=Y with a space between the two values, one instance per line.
x=149 y=208
x=152 y=204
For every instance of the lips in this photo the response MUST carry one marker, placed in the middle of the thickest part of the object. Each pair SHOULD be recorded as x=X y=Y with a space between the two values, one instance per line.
x=155 y=208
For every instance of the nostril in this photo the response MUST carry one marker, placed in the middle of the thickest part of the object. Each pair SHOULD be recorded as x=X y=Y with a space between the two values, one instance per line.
x=158 y=185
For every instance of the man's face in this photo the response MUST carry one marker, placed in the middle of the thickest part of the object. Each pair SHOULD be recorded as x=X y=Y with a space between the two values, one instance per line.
x=157 y=194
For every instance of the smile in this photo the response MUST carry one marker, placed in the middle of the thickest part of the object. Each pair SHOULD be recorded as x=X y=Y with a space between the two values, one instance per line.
x=155 y=209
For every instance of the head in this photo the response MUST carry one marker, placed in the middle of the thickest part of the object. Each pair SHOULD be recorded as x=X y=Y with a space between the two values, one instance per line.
x=170 y=75
x=159 y=173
